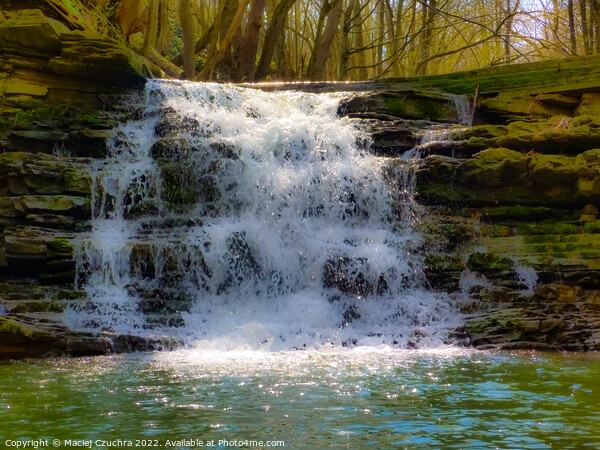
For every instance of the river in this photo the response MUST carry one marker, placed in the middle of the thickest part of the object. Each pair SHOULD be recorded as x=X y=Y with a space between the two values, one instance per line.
x=329 y=398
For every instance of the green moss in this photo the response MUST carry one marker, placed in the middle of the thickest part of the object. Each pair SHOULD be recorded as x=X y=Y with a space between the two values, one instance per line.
x=542 y=239
x=444 y=262
x=77 y=181
x=489 y=261
x=502 y=231
x=71 y=294
x=61 y=245
x=548 y=228
x=10 y=326
x=38 y=306
x=591 y=227
x=420 y=106
x=517 y=212
x=23 y=119
x=4 y=124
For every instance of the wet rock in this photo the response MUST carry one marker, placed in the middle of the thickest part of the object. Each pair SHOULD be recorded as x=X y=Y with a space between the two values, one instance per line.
x=24 y=173
x=408 y=104
x=349 y=276
x=493 y=168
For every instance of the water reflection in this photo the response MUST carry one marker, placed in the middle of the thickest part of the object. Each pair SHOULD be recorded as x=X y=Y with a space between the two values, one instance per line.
x=349 y=398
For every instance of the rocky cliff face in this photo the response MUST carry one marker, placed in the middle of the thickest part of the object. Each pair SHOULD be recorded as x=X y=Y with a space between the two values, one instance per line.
x=510 y=206
x=61 y=93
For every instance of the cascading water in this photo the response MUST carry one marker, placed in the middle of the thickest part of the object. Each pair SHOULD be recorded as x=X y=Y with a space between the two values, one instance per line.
x=237 y=218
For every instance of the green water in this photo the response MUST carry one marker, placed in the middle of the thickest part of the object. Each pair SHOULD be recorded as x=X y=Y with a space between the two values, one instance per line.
x=306 y=399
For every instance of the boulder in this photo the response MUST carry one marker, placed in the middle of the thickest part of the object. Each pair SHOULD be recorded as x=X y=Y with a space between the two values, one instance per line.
x=32 y=31
x=557 y=169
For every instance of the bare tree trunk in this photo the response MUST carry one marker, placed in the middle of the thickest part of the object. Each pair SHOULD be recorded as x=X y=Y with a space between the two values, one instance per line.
x=361 y=58
x=214 y=34
x=325 y=9
x=163 y=24
x=281 y=57
x=229 y=59
x=572 y=33
x=152 y=29
x=396 y=26
x=596 y=22
x=249 y=45
x=509 y=24
x=556 y=31
x=585 y=29
x=218 y=54
x=322 y=47
x=381 y=37
x=425 y=50
x=186 y=8
x=345 y=43
x=271 y=38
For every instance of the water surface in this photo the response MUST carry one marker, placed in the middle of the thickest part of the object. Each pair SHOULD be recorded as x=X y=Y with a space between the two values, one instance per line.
x=309 y=399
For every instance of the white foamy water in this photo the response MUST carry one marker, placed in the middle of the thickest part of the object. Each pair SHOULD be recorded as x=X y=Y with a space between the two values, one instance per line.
x=238 y=219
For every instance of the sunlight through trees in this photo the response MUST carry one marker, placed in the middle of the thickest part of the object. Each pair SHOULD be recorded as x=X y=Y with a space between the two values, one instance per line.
x=256 y=40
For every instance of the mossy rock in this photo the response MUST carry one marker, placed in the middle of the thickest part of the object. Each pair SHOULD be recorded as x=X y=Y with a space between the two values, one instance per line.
x=588 y=188
x=71 y=294
x=517 y=212
x=89 y=55
x=548 y=228
x=24 y=173
x=61 y=245
x=487 y=131
x=410 y=104
x=37 y=306
x=171 y=147
x=181 y=184
x=494 y=168
x=18 y=329
x=592 y=227
x=444 y=262
x=490 y=261
x=141 y=209
x=557 y=169
x=19 y=87
x=30 y=29
x=589 y=104
x=74 y=206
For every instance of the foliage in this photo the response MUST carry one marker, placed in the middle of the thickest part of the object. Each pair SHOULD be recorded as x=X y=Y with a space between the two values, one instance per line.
x=253 y=40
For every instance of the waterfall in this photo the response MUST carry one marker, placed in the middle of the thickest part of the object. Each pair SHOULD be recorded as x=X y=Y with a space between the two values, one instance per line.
x=231 y=217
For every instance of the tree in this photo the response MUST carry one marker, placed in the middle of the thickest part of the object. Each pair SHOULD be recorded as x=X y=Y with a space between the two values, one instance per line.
x=249 y=47
x=272 y=35
x=338 y=39
x=331 y=12
x=186 y=12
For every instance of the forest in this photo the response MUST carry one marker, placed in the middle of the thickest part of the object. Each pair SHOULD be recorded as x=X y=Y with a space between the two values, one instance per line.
x=345 y=40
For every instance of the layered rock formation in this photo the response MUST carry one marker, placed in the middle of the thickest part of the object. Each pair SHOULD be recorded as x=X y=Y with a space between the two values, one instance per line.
x=531 y=258
x=61 y=93
x=510 y=205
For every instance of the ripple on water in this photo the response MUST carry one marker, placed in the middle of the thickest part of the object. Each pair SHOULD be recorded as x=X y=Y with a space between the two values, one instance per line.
x=314 y=399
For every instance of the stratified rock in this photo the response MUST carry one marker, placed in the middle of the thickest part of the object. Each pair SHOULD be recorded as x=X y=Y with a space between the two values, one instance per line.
x=407 y=104
x=557 y=169
x=31 y=30
x=29 y=173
